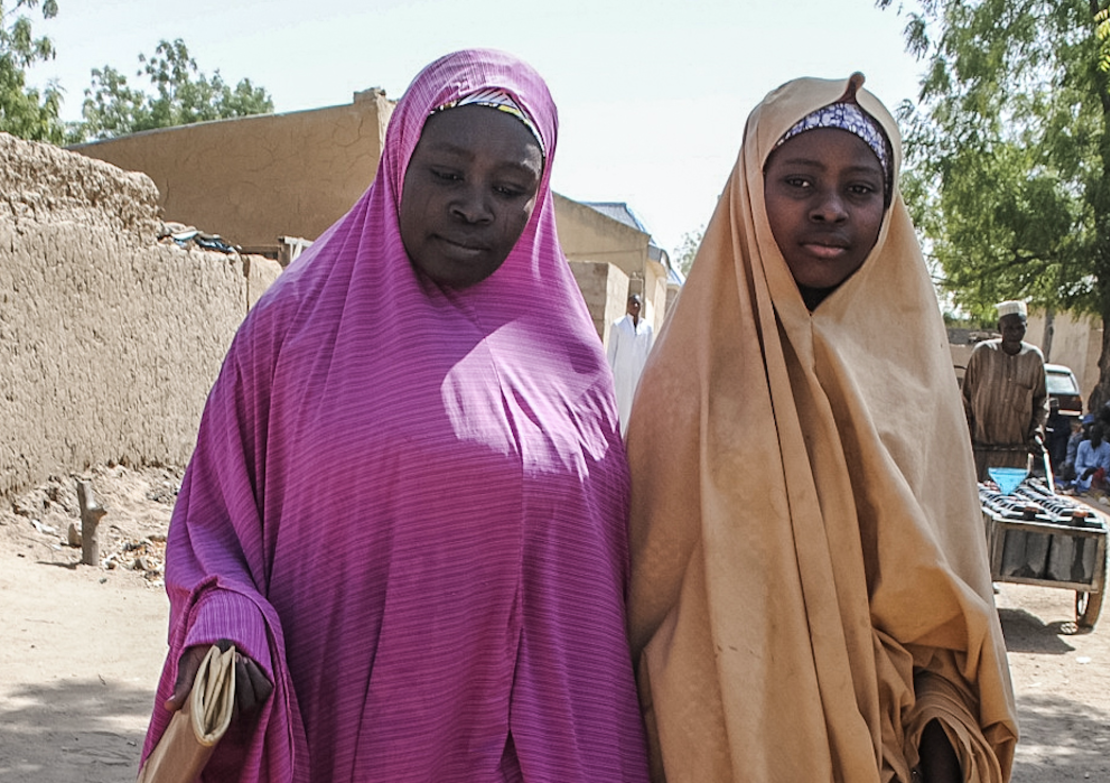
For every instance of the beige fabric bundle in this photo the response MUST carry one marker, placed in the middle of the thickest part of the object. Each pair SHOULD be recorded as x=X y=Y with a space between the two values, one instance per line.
x=190 y=740
x=810 y=583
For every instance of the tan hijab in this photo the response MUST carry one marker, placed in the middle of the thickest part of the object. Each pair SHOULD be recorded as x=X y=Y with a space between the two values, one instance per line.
x=810 y=583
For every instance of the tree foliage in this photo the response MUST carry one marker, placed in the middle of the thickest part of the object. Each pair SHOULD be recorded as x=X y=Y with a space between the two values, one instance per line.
x=687 y=249
x=181 y=94
x=1008 y=151
x=24 y=111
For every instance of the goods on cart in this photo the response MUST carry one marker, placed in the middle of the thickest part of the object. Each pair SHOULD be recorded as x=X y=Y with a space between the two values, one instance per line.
x=1038 y=537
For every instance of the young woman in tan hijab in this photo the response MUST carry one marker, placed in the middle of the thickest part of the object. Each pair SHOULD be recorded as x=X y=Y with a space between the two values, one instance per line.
x=810 y=596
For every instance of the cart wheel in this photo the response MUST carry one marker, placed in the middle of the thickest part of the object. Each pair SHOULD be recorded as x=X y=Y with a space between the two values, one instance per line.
x=1087 y=608
x=1088 y=605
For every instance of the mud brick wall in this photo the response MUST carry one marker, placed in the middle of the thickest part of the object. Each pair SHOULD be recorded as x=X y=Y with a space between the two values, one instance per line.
x=109 y=340
x=604 y=286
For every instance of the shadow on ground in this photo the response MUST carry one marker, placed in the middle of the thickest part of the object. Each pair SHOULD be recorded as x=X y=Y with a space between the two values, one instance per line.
x=1027 y=633
x=1061 y=740
x=72 y=732
x=91 y=731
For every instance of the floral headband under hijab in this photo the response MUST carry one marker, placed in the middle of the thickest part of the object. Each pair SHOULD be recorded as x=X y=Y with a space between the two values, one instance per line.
x=496 y=98
x=847 y=115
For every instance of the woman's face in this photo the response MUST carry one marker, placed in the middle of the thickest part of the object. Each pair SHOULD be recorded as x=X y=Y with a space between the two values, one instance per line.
x=824 y=194
x=468 y=193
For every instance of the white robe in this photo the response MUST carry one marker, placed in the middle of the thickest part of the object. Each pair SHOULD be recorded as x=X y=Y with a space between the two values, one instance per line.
x=629 y=346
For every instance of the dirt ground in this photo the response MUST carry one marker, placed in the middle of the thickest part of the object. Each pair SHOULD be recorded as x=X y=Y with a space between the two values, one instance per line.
x=81 y=647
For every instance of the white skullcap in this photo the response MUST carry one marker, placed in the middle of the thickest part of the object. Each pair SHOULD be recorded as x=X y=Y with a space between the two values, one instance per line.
x=1012 y=307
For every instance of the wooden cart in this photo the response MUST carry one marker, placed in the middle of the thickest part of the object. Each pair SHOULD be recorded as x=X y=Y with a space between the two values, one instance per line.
x=1071 y=555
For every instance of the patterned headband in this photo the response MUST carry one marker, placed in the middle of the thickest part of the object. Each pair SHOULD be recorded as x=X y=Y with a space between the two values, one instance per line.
x=495 y=98
x=849 y=117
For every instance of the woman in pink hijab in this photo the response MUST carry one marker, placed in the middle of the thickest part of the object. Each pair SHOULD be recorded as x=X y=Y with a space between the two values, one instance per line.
x=407 y=506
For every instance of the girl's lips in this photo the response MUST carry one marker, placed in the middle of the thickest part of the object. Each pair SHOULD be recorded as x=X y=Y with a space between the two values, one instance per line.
x=825 y=251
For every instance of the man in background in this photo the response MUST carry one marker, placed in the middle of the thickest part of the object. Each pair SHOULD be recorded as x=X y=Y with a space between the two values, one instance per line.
x=630 y=342
x=1092 y=462
x=1005 y=398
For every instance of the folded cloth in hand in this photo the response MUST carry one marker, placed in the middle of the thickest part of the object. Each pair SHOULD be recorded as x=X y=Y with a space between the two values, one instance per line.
x=191 y=737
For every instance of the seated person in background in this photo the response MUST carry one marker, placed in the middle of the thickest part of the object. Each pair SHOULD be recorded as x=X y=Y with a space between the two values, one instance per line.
x=1092 y=461
x=1077 y=436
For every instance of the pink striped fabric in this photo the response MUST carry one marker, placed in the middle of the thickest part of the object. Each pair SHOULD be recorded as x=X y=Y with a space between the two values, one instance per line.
x=408 y=504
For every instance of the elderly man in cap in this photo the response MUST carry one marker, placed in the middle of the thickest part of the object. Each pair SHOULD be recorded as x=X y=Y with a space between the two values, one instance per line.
x=1005 y=396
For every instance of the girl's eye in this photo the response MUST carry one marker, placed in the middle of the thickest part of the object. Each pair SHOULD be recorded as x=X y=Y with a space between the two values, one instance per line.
x=797 y=182
x=861 y=190
x=508 y=191
x=446 y=176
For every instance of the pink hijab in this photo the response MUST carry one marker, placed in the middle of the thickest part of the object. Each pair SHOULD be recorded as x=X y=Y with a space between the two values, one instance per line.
x=408 y=504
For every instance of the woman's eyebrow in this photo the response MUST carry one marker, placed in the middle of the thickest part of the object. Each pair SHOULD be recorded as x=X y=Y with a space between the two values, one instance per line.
x=866 y=168
x=522 y=166
x=447 y=147
x=798 y=160
x=451 y=148
x=876 y=169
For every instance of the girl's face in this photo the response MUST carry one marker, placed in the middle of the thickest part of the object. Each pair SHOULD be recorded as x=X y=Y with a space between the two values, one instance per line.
x=824 y=194
x=468 y=193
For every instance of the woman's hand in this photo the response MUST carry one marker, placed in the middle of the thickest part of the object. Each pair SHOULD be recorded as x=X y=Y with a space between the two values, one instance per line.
x=251 y=686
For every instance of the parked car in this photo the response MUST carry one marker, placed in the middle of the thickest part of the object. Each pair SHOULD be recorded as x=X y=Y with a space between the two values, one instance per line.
x=1063 y=390
x=1065 y=406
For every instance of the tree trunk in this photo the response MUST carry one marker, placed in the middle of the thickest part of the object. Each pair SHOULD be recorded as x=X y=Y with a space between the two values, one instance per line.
x=1049 y=332
x=1101 y=394
x=1099 y=203
x=91 y=512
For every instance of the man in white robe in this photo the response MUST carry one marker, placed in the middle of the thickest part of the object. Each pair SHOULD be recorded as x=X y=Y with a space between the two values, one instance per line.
x=630 y=341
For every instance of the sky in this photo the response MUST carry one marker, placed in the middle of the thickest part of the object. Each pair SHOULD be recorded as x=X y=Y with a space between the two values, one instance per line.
x=652 y=94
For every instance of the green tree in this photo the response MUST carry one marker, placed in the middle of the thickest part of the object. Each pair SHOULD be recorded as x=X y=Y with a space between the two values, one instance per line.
x=687 y=249
x=181 y=94
x=24 y=111
x=1008 y=152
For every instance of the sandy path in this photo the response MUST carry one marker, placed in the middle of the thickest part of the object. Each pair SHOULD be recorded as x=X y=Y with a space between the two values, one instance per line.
x=78 y=662
x=81 y=649
x=1062 y=684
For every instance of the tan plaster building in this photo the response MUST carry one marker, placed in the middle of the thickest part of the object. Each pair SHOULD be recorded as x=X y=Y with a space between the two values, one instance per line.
x=269 y=183
x=595 y=238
